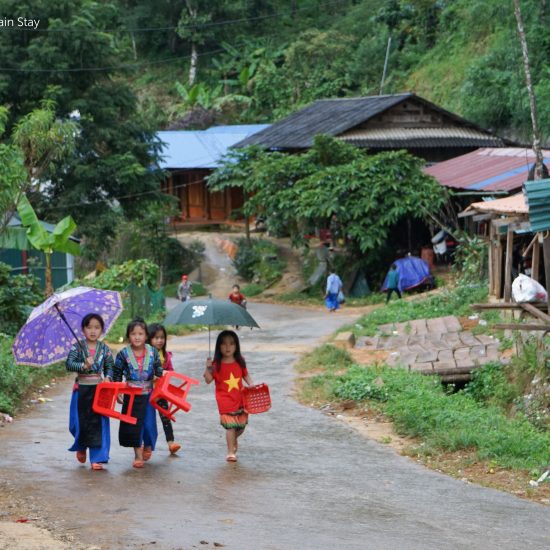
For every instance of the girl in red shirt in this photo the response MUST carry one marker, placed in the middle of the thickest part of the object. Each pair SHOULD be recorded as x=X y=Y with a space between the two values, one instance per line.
x=228 y=370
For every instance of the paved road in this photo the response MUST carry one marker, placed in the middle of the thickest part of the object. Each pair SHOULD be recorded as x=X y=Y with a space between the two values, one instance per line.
x=303 y=481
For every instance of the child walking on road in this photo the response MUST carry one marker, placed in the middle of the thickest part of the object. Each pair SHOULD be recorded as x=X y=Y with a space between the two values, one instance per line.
x=228 y=370
x=236 y=297
x=91 y=359
x=138 y=363
x=157 y=338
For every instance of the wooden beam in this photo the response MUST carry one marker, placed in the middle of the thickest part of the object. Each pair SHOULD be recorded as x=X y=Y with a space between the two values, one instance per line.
x=520 y=226
x=481 y=217
x=519 y=326
x=502 y=222
x=535 y=259
x=491 y=260
x=533 y=240
x=508 y=266
x=510 y=305
x=536 y=312
x=498 y=268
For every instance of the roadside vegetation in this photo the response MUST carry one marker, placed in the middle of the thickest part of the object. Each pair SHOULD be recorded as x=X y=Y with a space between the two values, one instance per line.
x=500 y=419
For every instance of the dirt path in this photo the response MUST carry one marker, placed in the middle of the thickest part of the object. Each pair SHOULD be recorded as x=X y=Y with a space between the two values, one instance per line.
x=304 y=480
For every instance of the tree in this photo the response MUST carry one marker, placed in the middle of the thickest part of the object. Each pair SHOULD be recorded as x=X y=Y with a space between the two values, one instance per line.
x=48 y=243
x=112 y=173
x=532 y=99
x=369 y=194
x=37 y=140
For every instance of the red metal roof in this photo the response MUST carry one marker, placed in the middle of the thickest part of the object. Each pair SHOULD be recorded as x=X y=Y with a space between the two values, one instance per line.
x=487 y=169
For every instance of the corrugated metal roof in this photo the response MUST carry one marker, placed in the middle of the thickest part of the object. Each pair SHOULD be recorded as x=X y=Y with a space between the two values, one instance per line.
x=201 y=149
x=537 y=196
x=447 y=136
x=508 y=205
x=335 y=116
x=487 y=169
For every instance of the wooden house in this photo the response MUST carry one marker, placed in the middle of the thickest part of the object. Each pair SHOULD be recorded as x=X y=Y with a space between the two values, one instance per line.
x=189 y=157
x=379 y=123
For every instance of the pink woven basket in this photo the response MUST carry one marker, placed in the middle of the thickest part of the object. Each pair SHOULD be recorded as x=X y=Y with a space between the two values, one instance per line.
x=256 y=399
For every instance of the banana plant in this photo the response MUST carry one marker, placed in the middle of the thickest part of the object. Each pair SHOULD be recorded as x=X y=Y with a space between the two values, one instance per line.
x=48 y=243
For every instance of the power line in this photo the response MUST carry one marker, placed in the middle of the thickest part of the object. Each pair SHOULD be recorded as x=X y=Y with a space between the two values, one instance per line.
x=111 y=68
x=173 y=28
x=127 y=196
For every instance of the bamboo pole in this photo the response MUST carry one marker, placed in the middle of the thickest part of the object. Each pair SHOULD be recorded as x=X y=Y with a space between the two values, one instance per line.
x=535 y=259
x=508 y=267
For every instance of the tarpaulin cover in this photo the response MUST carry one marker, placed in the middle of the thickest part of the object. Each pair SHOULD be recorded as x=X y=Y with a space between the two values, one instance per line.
x=412 y=271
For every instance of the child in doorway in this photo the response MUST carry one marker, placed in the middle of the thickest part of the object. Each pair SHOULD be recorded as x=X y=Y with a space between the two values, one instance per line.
x=91 y=359
x=138 y=363
x=228 y=370
x=157 y=338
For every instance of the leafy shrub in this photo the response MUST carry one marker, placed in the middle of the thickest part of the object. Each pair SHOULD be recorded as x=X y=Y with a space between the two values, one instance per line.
x=178 y=259
x=252 y=289
x=257 y=261
x=17 y=380
x=490 y=384
x=118 y=277
x=18 y=294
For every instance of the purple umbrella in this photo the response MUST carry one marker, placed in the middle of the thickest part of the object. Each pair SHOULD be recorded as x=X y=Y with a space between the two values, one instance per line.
x=53 y=327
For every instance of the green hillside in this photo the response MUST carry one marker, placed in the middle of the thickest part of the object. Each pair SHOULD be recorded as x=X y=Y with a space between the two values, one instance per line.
x=462 y=54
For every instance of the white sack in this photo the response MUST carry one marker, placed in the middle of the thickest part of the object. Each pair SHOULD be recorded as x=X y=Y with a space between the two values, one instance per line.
x=525 y=289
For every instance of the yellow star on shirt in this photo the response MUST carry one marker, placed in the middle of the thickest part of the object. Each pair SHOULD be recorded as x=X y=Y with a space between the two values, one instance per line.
x=232 y=383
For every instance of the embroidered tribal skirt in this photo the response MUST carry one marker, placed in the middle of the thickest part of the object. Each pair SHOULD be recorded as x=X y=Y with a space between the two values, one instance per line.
x=238 y=420
x=144 y=432
x=89 y=429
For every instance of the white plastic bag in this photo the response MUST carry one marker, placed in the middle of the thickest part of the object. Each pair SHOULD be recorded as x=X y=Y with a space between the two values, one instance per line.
x=525 y=289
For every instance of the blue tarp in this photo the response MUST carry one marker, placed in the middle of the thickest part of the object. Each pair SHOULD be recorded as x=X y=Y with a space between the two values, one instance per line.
x=412 y=271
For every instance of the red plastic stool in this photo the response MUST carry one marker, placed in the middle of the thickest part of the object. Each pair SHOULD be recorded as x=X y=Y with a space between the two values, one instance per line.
x=105 y=400
x=256 y=399
x=173 y=387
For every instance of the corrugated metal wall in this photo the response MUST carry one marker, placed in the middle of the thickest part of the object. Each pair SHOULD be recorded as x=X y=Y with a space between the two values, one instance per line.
x=537 y=196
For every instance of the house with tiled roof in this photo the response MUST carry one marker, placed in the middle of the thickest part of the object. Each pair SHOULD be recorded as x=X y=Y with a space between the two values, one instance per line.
x=379 y=123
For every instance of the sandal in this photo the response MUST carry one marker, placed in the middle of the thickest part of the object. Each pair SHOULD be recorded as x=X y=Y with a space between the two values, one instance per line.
x=97 y=466
x=81 y=456
x=147 y=452
x=174 y=448
x=137 y=463
x=231 y=458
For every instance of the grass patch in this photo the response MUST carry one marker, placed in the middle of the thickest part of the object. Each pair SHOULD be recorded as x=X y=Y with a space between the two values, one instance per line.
x=17 y=381
x=252 y=289
x=420 y=407
x=327 y=357
x=454 y=301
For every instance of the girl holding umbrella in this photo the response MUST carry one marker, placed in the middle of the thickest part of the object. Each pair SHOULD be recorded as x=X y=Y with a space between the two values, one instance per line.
x=91 y=359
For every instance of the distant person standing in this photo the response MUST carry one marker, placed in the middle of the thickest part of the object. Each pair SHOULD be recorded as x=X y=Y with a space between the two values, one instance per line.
x=184 y=289
x=393 y=283
x=334 y=286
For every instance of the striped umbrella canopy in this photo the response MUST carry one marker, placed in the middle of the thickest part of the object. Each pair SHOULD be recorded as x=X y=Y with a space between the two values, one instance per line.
x=53 y=326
